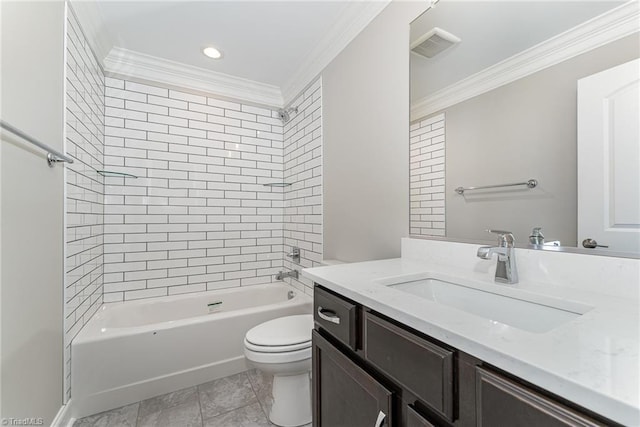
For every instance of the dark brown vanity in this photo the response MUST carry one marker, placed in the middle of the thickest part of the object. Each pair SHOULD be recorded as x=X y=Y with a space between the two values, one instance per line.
x=371 y=371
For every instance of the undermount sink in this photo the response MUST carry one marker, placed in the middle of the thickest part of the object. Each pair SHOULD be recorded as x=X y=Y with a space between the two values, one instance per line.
x=516 y=312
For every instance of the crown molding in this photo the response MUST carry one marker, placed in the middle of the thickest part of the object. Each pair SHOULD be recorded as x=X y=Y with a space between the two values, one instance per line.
x=353 y=19
x=615 y=24
x=92 y=25
x=127 y=63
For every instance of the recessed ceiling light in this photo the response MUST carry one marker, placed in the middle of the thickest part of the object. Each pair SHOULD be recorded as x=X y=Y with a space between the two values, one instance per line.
x=212 y=52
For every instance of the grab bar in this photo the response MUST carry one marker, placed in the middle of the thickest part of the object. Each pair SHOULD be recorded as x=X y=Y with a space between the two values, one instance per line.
x=532 y=183
x=53 y=156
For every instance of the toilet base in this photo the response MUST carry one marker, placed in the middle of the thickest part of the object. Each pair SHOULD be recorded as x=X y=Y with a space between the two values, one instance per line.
x=291 y=400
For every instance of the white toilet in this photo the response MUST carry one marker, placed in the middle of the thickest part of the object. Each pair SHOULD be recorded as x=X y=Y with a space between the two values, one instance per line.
x=282 y=347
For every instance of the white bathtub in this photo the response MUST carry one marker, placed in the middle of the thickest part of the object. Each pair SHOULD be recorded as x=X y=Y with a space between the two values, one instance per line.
x=139 y=349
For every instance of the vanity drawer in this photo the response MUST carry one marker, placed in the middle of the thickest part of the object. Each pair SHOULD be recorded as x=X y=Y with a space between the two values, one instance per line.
x=501 y=401
x=415 y=419
x=421 y=367
x=335 y=315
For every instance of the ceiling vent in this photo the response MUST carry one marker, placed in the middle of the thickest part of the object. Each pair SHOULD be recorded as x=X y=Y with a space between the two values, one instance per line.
x=433 y=42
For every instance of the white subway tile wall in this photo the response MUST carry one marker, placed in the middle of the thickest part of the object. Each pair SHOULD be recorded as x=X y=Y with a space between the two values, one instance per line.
x=198 y=216
x=426 y=175
x=84 y=188
x=303 y=170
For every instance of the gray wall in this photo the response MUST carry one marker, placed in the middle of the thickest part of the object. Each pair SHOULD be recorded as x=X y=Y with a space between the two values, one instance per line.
x=523 y=130
x=31 y=279
x=366 y=140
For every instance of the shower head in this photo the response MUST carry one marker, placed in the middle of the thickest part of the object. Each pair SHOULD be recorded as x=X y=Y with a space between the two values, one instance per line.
x=285 y=114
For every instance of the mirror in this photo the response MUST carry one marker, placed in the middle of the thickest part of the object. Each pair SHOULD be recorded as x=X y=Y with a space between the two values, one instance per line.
x=494 y=102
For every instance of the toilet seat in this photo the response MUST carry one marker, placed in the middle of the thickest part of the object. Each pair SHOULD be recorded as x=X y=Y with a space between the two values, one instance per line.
x=287 y=333
x=276 y=348
x=288 y=357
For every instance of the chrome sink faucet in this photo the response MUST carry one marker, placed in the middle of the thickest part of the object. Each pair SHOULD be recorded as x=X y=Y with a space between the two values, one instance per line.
x=506 y=271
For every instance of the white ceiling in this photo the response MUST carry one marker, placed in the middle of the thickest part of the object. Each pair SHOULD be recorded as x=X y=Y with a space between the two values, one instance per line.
x=491 y=31
x=261 y=41
x=268 y=42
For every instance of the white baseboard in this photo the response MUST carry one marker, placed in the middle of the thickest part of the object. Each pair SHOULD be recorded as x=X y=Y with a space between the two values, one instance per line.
x=64 y=416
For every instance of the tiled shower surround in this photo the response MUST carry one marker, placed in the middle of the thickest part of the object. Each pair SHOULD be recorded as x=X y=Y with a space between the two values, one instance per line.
x=303 y=170
x=426 y=175
x=198 y=216
x=84 y=188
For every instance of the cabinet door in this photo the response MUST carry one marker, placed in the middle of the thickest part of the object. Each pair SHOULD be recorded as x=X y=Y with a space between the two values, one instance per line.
x=344 y=395
x=503 y=402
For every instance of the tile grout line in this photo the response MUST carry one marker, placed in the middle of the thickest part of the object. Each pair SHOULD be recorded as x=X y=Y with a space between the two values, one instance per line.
x=200 y=405
x=262 y=408
x=138 y=413
x=237 y=409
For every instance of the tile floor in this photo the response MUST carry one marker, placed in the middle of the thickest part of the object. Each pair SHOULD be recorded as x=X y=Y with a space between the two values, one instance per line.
x=241 y=400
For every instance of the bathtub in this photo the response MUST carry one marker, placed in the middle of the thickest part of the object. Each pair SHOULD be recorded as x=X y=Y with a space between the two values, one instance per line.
x=139 y=349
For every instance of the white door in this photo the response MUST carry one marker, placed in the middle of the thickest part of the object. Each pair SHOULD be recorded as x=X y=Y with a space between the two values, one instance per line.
x=609 y=158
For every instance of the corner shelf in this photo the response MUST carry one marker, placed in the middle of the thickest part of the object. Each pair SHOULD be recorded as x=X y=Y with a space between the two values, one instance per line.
x=277 y=184
x=107 y=174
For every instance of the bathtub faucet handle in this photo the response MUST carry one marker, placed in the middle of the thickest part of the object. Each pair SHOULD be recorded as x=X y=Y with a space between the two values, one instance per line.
x=294 y=255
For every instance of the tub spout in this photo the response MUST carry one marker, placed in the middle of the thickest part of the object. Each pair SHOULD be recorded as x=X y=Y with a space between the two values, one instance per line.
x=282 y=274
x=484 y=252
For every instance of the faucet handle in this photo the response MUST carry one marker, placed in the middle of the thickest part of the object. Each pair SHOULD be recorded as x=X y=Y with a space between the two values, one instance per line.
x=536 y=237
x=505 y=238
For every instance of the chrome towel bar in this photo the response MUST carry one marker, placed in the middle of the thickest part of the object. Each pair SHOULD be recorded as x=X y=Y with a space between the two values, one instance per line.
x=532 y=183
x=53 y=156
x=277 y=184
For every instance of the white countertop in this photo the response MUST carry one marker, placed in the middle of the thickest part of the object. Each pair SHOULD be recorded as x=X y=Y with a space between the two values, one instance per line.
x=592 y=360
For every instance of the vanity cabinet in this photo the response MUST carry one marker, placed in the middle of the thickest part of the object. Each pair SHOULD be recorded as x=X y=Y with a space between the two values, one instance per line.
x=369 y=370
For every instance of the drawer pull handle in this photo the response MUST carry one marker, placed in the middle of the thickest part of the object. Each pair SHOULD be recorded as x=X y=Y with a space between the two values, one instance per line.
x=380 y=420
x=330 y=316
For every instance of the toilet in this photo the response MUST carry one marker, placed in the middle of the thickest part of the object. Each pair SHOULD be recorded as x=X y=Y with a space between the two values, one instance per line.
x=282 y=347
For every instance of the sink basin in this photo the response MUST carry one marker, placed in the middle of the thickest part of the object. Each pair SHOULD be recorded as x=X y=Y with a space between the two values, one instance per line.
x=516 y=312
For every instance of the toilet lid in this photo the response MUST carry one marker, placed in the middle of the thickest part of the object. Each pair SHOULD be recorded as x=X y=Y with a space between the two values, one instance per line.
x=283 y=331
